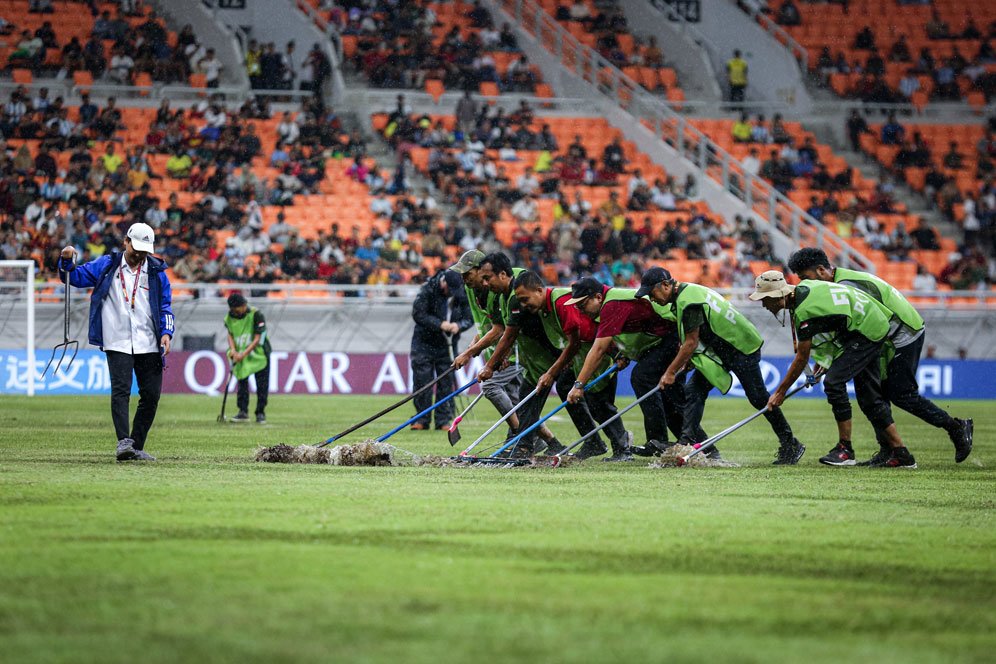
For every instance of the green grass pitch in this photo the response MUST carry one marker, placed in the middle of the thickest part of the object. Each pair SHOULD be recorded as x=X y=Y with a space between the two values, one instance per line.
x=208 y=556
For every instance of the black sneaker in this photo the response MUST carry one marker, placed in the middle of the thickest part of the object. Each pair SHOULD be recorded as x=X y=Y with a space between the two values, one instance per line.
x=622 y=451
x=790 y=453
x=242 y=416
x=880 y=457
x=651 y=449
x=592 y=447
x=142 y=455
x=713 y=453
x=899 y=458
x=261 y=419
x=962 y=439
x=524 y=450
x=841 y=455
x=554 y=447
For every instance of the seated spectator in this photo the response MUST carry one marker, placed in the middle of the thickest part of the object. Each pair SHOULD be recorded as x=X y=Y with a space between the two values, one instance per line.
x=900 y=50
x=613 y=160
x=865 y=40
x=937 y=28
x=759 y=132
x=121 y=67
x=953 y=158
x=924 y=281
x=742 y=129
x=179 y=165
x=788 y=14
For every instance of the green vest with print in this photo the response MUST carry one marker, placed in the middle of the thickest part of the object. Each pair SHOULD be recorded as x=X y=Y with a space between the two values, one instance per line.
x=865 y=316
x=242 y=332
x=481 y=317
x=634 y=344
x=533 y=356
x=725 y=322
x=887 y=294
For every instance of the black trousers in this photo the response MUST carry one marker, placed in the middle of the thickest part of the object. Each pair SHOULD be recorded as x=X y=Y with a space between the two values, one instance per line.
x=665 y=409
x=595 y=408
x=747 y=368
x=262 y=391
x=859 y=362
x=902 y=390
x=148 y=371
x=425 y=368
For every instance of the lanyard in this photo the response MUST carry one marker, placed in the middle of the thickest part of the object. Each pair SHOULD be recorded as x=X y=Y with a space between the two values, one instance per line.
x=134 y=289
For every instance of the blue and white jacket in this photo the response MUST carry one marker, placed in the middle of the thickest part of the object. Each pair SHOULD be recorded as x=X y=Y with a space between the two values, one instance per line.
x=99 y=275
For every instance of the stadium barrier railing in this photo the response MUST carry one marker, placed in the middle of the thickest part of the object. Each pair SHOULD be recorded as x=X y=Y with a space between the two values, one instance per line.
x=310 y=293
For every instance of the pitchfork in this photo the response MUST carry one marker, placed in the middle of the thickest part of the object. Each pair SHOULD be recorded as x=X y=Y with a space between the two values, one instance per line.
x=66 y=341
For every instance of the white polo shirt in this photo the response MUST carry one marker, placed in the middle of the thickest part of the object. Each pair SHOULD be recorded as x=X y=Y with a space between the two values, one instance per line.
x=129 y=329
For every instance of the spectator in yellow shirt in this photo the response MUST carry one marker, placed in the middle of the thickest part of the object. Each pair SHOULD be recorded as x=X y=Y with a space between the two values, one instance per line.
x=179 y=165
x=112 y=161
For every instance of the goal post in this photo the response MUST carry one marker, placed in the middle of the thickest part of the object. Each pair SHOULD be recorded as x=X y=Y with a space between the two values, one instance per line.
x=17 y=300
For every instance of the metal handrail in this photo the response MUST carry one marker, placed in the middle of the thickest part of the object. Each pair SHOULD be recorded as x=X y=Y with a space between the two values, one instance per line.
x=671 y=127
x=335 y=53
x=780 y=34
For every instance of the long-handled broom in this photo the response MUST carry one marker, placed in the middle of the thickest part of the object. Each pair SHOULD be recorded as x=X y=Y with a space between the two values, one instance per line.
x=515 y=439
x=427 y=386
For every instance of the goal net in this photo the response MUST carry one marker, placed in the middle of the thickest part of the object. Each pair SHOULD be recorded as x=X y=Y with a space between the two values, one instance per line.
x=20 y=364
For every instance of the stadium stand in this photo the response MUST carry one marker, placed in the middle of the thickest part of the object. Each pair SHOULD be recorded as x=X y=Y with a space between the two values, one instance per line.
x=891 y=51
x=601 y=25
x=252 y=194
x=567 y=196
x=829 y=189
x=434 y=47
x=87 y=42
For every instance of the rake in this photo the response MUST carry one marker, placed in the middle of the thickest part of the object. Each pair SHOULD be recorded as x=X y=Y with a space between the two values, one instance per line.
x=66 y=341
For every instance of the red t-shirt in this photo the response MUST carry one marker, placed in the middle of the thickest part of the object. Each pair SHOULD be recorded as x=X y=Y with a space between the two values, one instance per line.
x=571 y=319
x=618 y=316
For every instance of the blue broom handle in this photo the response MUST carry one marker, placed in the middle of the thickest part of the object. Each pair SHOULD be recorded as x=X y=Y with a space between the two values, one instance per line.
x=431 y=408
x=563 y=404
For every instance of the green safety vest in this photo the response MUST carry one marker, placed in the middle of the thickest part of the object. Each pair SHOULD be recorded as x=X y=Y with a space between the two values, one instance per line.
x=242 y=332
x=884 y=292
x=865 y=316
x=533 y=356
x=725 y=322
x=481 y=317
x=634 y=344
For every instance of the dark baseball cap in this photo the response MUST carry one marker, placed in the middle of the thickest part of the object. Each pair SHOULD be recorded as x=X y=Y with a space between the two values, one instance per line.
x=236 y=300
x=469 y=261
x=585 y=288
x=651 y=278
x=453 y=280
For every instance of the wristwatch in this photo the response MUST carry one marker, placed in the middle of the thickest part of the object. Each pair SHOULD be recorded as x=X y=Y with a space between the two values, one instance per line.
x=578 y=385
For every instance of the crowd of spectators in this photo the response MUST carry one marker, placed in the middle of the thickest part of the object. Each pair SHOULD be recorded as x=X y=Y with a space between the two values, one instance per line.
x=612 y=241
x=120 y=47
x=973 y=209
x=607 y=24
x=940 y=77
x=214 y=153
x=271 y=69
x=400 y=45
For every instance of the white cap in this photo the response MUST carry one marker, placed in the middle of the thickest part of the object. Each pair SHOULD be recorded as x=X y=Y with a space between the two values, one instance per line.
x=142 y=237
